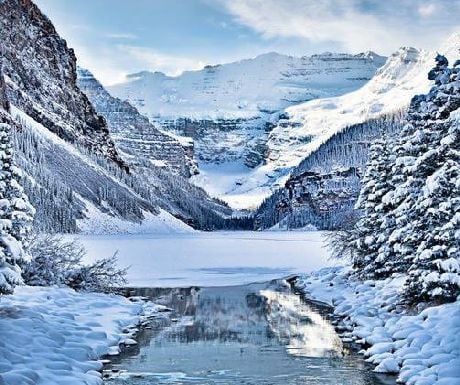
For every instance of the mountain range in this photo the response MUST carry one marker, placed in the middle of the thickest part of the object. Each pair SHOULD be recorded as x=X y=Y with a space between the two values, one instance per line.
x=284 y=136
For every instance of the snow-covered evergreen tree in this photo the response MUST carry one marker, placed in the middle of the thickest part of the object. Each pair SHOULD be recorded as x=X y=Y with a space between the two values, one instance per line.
x=16 y=213
x=11 y=250
x=435 y=269
x=411 y=196
x=369 y=259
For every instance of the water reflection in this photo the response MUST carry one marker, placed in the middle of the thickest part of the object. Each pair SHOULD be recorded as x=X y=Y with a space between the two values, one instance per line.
x=253 y=334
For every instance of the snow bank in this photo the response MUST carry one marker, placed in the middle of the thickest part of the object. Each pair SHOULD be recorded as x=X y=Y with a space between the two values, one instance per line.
x=424 y=349
x=55 y=335
x=97 y=222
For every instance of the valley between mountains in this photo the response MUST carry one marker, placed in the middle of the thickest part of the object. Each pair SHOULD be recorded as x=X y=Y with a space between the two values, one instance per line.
x=276 y=219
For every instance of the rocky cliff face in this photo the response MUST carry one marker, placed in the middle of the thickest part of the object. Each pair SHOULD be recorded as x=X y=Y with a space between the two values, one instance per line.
x=40 y=73
x=224 y=140
x=139 y=142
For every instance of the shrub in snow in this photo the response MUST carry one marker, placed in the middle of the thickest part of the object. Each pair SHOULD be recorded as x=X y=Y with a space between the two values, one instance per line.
x=55 y=261
x=340 y=242
x=103 y=275
x=16 y=214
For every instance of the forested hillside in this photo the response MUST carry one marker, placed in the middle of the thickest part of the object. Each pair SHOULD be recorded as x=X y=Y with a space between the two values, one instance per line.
x=323 y=189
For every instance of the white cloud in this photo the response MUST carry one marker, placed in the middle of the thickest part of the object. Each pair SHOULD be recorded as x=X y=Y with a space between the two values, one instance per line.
x=426 y=10
x=382 y=26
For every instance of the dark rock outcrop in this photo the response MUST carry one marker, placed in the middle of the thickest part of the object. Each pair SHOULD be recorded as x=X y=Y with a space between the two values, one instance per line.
x=41 y=79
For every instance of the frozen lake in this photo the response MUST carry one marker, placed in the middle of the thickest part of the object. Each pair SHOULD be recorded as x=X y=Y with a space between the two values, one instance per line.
x=210 y=259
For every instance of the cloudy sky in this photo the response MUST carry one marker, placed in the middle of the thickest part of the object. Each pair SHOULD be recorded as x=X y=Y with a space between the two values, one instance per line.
x=115 y=37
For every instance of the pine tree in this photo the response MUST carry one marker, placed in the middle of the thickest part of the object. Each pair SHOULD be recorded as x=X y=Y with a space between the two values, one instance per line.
x=435 y=271
x=16 y=213
x=410 y=197
x=10 y=249
x=368 y=259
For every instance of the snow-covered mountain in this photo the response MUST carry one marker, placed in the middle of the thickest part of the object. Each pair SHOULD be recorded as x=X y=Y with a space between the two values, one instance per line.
x=305 y=126
x=324 y=171
x=301 y=129
x=247 y=88
x=40 y=74
x=230 y=109
x=73 y=173
x=139 y=142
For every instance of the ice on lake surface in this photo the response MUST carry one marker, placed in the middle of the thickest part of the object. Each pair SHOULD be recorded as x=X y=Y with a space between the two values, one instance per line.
x=211 y=259
x=251 y=334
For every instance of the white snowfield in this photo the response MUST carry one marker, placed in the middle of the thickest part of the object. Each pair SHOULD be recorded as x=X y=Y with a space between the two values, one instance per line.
x=210 y=258
x=54 y=336
x=423 y=349
x=246 y=88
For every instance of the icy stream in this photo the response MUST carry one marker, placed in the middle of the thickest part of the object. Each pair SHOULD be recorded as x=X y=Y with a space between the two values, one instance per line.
x=260 y=333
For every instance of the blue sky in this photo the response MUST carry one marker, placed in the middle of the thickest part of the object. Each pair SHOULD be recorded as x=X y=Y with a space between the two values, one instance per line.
x=115 y=37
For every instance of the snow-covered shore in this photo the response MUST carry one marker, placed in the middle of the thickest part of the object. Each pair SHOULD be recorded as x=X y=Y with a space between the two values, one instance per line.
x=423 y=348
x=56 y=336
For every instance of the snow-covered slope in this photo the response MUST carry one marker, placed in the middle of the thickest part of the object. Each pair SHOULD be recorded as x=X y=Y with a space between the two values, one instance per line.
x=77 y=191
x=309 y=124
x=246 y=88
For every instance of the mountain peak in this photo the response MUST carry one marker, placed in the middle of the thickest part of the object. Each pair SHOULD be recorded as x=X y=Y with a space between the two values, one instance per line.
x=146 y=75
x=84 y=73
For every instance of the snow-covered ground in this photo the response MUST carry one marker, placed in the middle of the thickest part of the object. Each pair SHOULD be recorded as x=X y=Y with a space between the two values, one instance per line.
x=423 y=348
x=211 y=259
x=97 y=222
x=54 y=336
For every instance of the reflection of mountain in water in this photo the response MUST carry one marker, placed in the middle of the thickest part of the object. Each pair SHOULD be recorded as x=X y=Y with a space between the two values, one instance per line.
x=302 y=329
x=257 y=334
x=259 y=314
